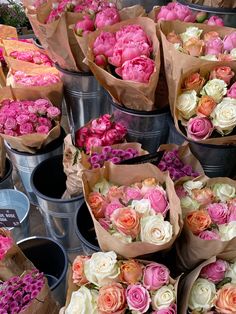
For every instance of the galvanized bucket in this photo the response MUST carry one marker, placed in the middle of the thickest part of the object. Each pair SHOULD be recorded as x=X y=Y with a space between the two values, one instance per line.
x=48 y=182
x=12 y=199
x=147 y=4
x=25 y=162
x=84 y=96
x=6 y=182
x=49 y=257
x=174 y=136
x=150 y=128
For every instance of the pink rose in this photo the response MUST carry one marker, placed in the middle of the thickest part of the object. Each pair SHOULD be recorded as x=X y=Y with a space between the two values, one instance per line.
x=232 y=91
x=10 y=124
x=203 y=196
x=222 y=73
x=108 y=16
x=115 y=193
x=155 y=276
x=215 y=272
x=138 y=298
x=215 y=20
x=199 y=128
x=22 y=118
x=111 y=137
x=84 y=26
x=10 y=133
x=158 y=200
x=232 y=210
x=42 y=129
x=42 y=103
x=100 y=126
x=229 y=42
x=26 y=128
x=104 y=44
x=138 y=69
x=132 y=193
x=105 y=223
x=81 y=136
x=121 y=129
x=92 y=141
x=209 y=235
x=110 y=208
x=172 y=309
x=175 y=11
x=53 y=112
x=218 y=212
x=44 y=121
x=78 y=274
x=214 y=46
x=6 y=244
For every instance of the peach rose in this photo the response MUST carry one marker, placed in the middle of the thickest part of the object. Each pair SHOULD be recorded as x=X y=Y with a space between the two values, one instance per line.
x=111 y=299
x=131 y=272
x=194 y=82
x=210 y=35
x=194 y=47
x=174 y=38
x=126 y=221
x=115 y=193
x=206 y=105
x=78 y=275
x=198 y=221
x=203 y=196
x=224 y=57
x=222 y=73
x=97 y=204
x=226 y=299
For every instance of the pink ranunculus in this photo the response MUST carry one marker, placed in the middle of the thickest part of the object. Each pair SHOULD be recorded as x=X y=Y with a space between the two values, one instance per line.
x=132 y=193
x=105 y=223
x=53 y=112
x=26 y=128
x=155 y=276
x=158 y=200
x=104 y=44
x=215 y=271
x=100 y=125
x=110 y=208
x=10 y=123
x=92 y=141
x=229 y=42
x=215 y=20
x=86 y=25
x=172 y=309
x=218 y=212
x=138 y=298
x=214 y=46
x=209 y=235
x=199 y=128
x=108 y=16
x=42 y=129
x=232 y=91
x=138 y=69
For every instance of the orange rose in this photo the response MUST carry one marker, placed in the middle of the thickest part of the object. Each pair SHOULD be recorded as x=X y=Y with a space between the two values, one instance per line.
x=111 y=299
x=198 y=221
x=97 y=204
x=222 y=73
x=174 y=38
x=78 y=275
x=226 y=299
x=210 y=35
x=206 y=105
x=194 y=47
x=224 y=57
x=115 y=193
x=130 y=272
x=126 y=221
x=203 y=196
x=194 y=81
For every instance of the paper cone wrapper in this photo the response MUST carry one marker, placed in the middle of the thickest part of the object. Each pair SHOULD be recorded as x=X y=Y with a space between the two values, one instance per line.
x=7 y=31
x=215 y=3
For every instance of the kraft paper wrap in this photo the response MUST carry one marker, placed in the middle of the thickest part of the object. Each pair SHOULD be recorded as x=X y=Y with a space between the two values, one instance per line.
x=30 y=143
x=7 y=32
x=2 y=158
x=190 y=249
x=215 y=3
x=126 y=175
x=2 y=77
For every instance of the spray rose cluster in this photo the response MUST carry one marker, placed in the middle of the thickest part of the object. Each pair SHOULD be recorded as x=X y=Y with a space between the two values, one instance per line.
x=33 y=56
x=210 y=211
x=18 y=292
x=108 y=285
x=102 y=131
x=44 y=79
x=218 y=281
x=5 y=244
x=208 y=46
x=128 y=50
x=21 y=117
x=208 y=104
x=132 y=213
x=177 y=169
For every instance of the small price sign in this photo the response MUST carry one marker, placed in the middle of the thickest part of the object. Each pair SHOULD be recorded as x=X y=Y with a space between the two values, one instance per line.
x=8 y=218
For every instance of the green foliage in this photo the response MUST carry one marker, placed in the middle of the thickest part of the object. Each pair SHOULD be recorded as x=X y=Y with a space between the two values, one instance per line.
x=12 y=13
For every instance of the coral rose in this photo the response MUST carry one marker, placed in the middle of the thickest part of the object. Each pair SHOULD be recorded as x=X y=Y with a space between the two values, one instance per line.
x=222 y=73
x=226 y=299
x=194 y=47
x=206 y=105
x=131 y=272
x=174 y=38
x=78 y=275
x=97 y=204
x=111 y=299
x=194 y=82
x=198 y=221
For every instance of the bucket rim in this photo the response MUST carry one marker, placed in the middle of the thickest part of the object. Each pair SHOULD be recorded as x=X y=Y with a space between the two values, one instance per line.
x=208 y=9
x=60 y=279
x=9 y=172
x=73 y=73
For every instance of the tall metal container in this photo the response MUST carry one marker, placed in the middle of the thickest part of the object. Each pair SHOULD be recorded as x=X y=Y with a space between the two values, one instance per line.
x=6 y=182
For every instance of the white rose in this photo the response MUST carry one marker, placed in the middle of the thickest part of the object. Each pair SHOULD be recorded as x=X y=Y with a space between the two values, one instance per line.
x=102 y=268
x=188 y=203
x=224 y=191
x=192 y=185
x=224 y=116
x=187 y=104
x=143 y=207
x=122 y=237
x=209 y=57
x=102 y=186
x=202 y=295
x=83 y=301
x=155 y=230
x=231 y=272
x=227 y=231
x=191 y=32
x=163 y=297
x=215 y=88
x=233 y=53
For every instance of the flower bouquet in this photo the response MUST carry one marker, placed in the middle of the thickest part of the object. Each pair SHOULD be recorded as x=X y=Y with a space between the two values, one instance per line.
x=209 y=211
x=128 y=204
x=104 y=284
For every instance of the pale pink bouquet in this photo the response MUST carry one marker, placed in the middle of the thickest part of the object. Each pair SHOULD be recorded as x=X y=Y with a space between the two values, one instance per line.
x=32 y=56
x=44 y=79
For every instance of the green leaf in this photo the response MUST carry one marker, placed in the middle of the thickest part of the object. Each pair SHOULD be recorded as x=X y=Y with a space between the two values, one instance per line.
x=223 y=282
x=75 y=157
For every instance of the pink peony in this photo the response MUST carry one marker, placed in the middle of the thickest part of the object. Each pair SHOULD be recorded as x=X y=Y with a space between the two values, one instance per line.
x=209 y=235
x=232 y=91
x=84 y=26
x=5 y=244
x=175 y=11
x=214 y=46
x=138 y=298
x=229 y=42
x=110 y=208
x=104 y=44
x=108 y=16
x=132 y=32
x=138 y=69
x=215 y=272
x=26 y=128
x=172 y=309
x=43 y=129
x=218 y=212
x=155 y=276
x=158 y=200
x=215 y=20
x=53 y=112
x=132 y=193
x=199 y=128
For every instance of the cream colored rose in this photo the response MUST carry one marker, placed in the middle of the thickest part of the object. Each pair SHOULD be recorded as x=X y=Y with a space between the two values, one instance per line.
x=191 y=32
x=202 y=295
x=233 y=53
x=192 y=185
x=224 y=191
x=83 y=301
x=231 y=272
x=215 y=88
x=102 y=186
x=155 y=230
x=163 y=297
x=224 y=116
x=143 y=207
x=187 y=203
x=102 y=268
x=122 y=237
x=227 y=231
x=187 y=104
x=209 y=57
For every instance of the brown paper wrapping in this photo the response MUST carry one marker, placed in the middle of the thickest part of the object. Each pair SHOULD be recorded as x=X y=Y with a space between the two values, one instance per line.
x=191 y=250
x=7 y=31
x=2 y=158
x=215 y=3
x=2 y=77
x=133 y=95
x=126 y=175
x=31 y=142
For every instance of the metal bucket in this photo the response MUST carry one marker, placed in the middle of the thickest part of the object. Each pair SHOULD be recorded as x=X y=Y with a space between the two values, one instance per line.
x=84 y=96
x=174 y=136
x=48 y=182
x=85 y=231
x=226 y=14
x=6 y=182
x=37 y=43
x=150 y=128
x=12 y=199
x=147 y=4
x=49 y=257
x=25 y=162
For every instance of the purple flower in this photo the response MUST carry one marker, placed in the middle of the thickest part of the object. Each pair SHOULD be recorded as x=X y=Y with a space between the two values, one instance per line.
x=169 y=157
x=162 y=165
x=187 y=169
x=115 y=160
